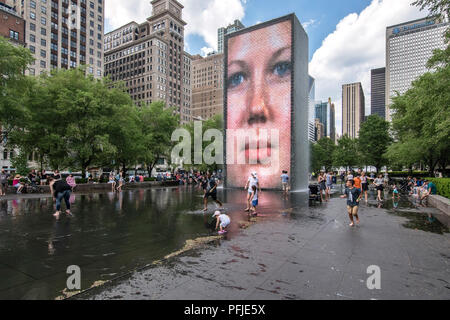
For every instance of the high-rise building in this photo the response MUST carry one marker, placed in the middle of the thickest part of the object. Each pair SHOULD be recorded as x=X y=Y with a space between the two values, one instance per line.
x=222 y=32
x=378 y=92
x=207 y=86
x=353 y=109
x=63 y=34
x=331 y=120
x=319 y=129
x=321 y=115
x=12 y=25
x=149 y=58
x=325 y=112
x=409 y=46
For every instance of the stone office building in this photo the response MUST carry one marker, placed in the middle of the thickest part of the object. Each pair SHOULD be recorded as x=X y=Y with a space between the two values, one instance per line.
x=149 y=58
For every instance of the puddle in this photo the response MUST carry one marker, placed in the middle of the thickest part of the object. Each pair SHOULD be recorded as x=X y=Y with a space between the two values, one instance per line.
x=421 y=221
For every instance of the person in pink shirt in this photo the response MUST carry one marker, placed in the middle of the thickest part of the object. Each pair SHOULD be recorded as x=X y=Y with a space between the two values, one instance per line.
x=71 y=181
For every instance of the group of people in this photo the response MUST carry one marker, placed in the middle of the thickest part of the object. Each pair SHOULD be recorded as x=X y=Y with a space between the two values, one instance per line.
x=117 y=181
x=357 y=187
x=326 y=181
x=33 y=180
x=421 y=189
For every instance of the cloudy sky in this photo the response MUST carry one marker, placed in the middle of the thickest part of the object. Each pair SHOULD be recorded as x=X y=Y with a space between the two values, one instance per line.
x=346 y=37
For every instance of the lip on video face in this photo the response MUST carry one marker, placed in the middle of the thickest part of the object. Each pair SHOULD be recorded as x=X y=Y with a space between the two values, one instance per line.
x=259 y=100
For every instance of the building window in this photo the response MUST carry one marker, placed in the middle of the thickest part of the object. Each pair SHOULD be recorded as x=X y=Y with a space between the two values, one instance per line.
x=14 y=35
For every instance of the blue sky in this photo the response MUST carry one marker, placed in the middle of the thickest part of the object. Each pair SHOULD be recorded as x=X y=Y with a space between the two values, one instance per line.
x=346 y=37
x=324 y=15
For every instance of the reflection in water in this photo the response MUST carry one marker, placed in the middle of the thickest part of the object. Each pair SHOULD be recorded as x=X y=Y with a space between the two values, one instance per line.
x=114 y=233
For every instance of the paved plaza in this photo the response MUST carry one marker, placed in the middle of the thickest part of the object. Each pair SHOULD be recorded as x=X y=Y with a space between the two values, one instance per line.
x=307 y=254
x=291 y=251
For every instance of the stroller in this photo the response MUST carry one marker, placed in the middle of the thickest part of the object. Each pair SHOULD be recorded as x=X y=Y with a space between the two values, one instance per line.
x=314 y=193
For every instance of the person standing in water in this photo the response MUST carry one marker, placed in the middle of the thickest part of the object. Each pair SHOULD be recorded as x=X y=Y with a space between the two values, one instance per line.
x=210 y=190
x=379 y=183
x=353 y=196
x=285 y=182
x=364 y=186
x=61 y=190
x=254 y=198
x=252 y=181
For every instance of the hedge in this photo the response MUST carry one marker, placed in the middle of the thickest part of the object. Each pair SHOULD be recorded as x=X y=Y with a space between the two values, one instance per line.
x=442 y=186
x=405 y=174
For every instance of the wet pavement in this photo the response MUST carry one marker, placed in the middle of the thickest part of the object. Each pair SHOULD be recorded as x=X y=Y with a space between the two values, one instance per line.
x=291 y=251
x=298 y=252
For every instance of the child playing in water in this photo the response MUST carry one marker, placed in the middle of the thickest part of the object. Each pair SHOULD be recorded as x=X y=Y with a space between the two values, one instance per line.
x=254 y=204
x=223 y=221
x=395 y=192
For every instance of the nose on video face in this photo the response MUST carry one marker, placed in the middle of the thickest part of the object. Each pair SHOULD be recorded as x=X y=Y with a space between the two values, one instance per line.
x=258 y=84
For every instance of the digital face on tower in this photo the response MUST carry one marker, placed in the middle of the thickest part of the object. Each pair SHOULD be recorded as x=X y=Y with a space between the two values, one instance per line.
x=259 y=106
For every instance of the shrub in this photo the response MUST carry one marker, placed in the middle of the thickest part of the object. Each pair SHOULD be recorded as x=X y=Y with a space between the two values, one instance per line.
x=405 y=174
x=442 y=186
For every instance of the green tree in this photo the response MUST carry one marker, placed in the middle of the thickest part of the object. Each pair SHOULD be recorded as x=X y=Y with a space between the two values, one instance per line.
x=216 y=122
x=322 y=154
x=421 y=121
x=20 y=163
x=69 y=119
x=374 y=140
x=158 y=124
x=346 y=153
x=13 y=83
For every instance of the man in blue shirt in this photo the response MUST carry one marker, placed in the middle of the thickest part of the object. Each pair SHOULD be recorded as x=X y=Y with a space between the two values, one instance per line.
x=353 y=196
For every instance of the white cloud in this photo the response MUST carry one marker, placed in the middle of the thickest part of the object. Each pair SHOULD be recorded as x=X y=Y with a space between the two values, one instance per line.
x=203 y=17
x=354 y=48
x=308 y=24
x=119 y=12
x=205 y=51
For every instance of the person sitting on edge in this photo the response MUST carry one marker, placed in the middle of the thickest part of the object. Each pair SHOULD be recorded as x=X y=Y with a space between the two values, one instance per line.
x=223 y=221
x=71 y=181
x=16 y=183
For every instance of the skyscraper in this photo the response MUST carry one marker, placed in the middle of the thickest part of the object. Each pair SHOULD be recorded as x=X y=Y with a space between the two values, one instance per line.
x=326 y=114
x=221 y=32
x=409 y=46
x=353 y=109
x=378 y=89
x=64 y=34
x=150 y=59
x=331 y=120
x=207 y=86
x=321 y=113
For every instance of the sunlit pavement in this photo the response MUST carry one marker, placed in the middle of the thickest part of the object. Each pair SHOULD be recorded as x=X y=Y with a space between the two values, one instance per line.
x=298 y=252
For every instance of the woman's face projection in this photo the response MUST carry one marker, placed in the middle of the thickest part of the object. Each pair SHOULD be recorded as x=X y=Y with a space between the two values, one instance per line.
x=259 y=78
